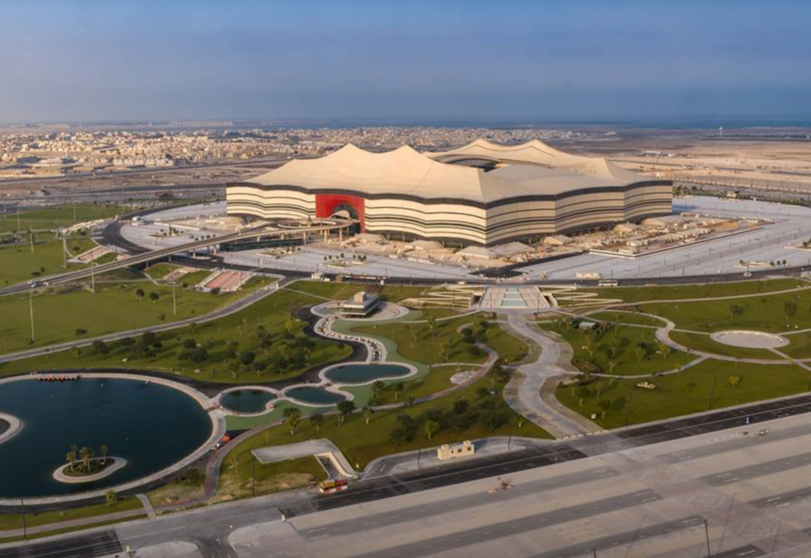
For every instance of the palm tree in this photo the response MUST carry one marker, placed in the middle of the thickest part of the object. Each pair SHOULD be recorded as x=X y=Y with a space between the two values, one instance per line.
x=85 y=454
x=317 y=420
x=367 y=414
x=103 y=450
x=71 y=458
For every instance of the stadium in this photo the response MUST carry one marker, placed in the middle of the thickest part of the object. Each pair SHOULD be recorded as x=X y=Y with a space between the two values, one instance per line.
x=480 y=194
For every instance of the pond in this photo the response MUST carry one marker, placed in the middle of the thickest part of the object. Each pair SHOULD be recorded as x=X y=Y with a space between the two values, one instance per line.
x=363 y=373
x=150 y=425
x=313 y=395
x=248 y=401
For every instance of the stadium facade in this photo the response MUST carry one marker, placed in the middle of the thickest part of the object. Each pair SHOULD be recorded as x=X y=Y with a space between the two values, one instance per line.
x=481 y=194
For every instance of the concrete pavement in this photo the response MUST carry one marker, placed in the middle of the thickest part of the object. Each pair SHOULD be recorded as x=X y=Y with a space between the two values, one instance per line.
x=523 y=393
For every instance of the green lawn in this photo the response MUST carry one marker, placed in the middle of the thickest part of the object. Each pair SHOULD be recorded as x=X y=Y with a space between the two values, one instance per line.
x=115 y=307
x=437 y=379
x=11 y=521
x=595 y=351
x=288 y=354
x=634 y=318
x=703 y=342
x=18 y=263
x=361 y=442
x=421 y=343
x=708 y=290
x=59 y=216
x=685 y=393
x=799 y=345
x=772 y=313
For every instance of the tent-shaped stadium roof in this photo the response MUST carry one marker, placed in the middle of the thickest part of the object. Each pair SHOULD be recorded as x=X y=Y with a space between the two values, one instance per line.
x=528 y=169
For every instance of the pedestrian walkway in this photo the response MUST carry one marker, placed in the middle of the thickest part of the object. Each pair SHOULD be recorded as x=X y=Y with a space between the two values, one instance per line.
x=523 y=392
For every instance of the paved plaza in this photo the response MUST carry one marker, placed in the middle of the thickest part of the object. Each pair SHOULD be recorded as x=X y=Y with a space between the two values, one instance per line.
x=774 y=242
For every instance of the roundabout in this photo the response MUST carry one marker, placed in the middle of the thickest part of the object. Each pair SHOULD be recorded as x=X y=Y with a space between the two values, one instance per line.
x=749 y=339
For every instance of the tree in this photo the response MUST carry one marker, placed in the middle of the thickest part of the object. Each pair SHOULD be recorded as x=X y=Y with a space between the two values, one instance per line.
x=110 y=498
x=398 y=389
x=734 y=380
x=103 y=450
x=409 y=401
x=71 y=457
x=100 y=347
x=430 y=427
x=735 y=310
x=80 y=331
x=153 y=296
x=460 y=406
x=639 y=351
x=345 y=408
x=377 y=388
x=367 y=414
x=317 y=420
x=604 y=405
x=140 y=294
x=790 y=308
x=189 y=344
x=664 y=350
x=292 y=417
x=445 y=350
x=85 y=454
x=247 y=357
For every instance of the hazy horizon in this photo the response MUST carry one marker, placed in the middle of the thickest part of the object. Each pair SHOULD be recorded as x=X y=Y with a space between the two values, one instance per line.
x=583 y=61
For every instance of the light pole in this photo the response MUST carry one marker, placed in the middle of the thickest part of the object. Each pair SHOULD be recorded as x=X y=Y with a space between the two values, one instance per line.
x=31 y=312
x=25 y=528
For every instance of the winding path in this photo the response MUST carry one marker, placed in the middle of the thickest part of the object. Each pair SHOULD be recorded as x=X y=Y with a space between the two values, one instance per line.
x=524 y=391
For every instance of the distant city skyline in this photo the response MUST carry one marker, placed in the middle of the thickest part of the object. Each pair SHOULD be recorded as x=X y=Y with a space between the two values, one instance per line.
x=416 y=61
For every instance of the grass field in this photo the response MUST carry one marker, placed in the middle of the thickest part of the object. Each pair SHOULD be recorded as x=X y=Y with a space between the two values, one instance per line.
x=361 y=442
x=18 y=263
x=633 y=318
x=284 y=357
x=619 y=345
x=115 y=307
x=59 y=216
x=688 y=392
x=437 y=379
x=420 y=343
x=708 y=290
x=771 y=313
x=703 y=342
x=13 y=521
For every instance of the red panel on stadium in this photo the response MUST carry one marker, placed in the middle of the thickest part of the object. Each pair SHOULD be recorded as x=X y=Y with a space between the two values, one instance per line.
x=326 y=204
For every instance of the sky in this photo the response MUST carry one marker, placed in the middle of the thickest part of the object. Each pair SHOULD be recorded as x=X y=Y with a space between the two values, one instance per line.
x=440 y=60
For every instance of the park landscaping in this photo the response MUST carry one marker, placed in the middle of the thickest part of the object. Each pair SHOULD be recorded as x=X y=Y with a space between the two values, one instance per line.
x=18 y=263
x=706 y=290
x=708 y=385
x=70 y=313
x=476 y=411
x=242 y=476
x=49 y=218
x=622 y=350
x=440 y=341
x=703 y=342
x=260 y=343
x=14 y=521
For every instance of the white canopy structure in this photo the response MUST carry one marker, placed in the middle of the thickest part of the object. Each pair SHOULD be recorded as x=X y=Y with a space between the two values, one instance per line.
x=481 y=193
